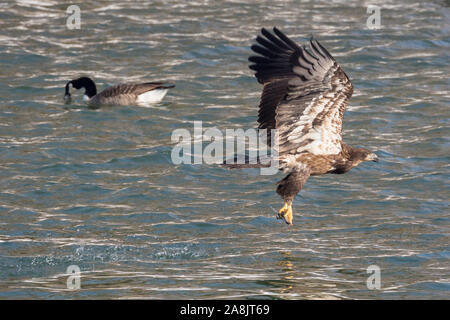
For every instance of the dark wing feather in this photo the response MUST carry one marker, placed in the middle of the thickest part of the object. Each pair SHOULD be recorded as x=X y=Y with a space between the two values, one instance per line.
x=304 y=96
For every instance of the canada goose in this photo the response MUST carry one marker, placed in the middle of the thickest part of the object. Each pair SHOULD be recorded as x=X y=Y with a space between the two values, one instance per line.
x=121 y=94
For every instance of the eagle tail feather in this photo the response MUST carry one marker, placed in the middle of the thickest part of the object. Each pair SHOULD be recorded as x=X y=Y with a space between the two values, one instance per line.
x=236 y=163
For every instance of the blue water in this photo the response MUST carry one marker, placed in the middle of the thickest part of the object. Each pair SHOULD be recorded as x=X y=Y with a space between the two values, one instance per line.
x=97 y=188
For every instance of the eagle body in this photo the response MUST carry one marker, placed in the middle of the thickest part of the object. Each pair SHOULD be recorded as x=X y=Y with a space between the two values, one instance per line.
x=337 y=164
x=305 y=93
x=319 y=165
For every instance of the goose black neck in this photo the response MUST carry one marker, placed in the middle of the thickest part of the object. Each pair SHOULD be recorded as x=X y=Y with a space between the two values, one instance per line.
x=68 y=89
x=87 y=84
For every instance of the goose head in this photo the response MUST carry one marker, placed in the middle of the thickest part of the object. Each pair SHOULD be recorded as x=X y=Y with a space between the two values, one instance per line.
x=83 y=82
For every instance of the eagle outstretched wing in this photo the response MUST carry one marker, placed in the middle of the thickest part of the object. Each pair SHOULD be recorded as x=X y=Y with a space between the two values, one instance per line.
x=304 y=96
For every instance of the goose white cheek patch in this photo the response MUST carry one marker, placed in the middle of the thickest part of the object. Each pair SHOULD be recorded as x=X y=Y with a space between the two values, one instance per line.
x=152 y=96
x=86 y=98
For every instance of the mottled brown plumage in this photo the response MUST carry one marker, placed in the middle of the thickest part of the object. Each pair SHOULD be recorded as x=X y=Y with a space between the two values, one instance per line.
x=305 y=93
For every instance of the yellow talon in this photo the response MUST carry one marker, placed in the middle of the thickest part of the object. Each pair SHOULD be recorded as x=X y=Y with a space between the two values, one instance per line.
x=286 y=213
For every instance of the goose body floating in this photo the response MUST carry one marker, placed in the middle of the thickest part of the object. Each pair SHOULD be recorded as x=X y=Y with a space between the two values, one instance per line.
x=122 y=94
x=305 y=93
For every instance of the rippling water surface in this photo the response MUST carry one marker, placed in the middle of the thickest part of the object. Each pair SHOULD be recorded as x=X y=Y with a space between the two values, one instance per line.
x=97 y=188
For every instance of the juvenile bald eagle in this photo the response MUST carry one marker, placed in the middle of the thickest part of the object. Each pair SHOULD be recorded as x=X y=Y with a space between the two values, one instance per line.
x=305 y=93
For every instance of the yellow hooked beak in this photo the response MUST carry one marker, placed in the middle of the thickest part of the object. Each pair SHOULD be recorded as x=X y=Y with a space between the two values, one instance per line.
x=372 y=157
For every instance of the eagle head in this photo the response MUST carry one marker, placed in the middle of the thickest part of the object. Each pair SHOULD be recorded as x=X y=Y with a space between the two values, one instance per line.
x=361 y=154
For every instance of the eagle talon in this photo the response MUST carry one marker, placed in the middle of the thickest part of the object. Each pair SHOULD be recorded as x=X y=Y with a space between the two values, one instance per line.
x=286 y=213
